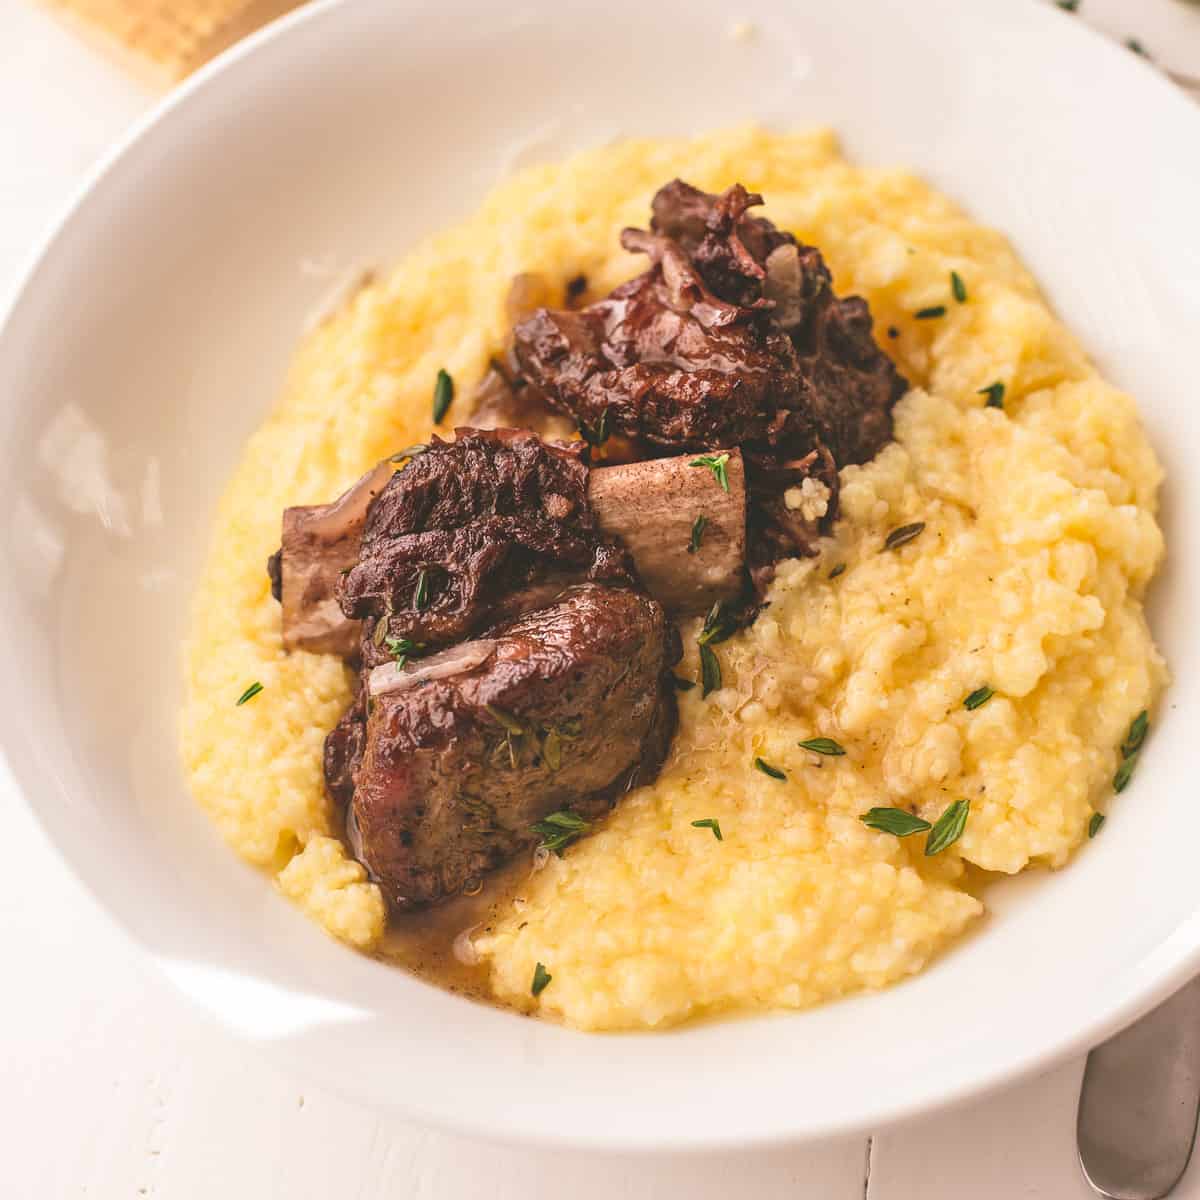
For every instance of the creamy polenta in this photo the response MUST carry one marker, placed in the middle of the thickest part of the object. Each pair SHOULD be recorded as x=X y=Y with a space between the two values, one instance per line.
x=1036 y=490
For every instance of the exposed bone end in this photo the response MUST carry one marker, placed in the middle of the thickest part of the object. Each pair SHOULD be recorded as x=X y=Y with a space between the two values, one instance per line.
x=319 y=543
x=652 y=507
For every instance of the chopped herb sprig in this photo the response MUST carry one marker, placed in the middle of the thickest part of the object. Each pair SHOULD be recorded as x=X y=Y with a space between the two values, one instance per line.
x=902 y=535
x=948 y=828
x=421 y=591
x=710 y=823
x=994 y=393
x=717 y=464
x=823 y=745
x=541 y=977
x=767 y=769
x=249 y=693
x=598 y=434
x=1095 y=824
x=1130 y=749
x=697 y=534
x=710 y=670
x=958 y=287
x=443 y=394
x=931 y=313
x=559 y=830
x=897 y=821
x=978 y=697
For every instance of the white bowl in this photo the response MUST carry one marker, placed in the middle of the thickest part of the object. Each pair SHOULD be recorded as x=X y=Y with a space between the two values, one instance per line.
x=152 y=333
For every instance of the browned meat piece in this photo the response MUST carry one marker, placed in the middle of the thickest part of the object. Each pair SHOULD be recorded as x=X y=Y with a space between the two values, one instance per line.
x=733 y=337
x=469 y=524
x=567 y=707
x=648 y=507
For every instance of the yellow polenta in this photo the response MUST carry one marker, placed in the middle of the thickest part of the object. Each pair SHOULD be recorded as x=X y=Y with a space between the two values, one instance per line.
x=1028 y=577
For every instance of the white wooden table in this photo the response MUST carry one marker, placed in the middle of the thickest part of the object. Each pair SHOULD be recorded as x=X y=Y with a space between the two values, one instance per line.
x=111 y=1087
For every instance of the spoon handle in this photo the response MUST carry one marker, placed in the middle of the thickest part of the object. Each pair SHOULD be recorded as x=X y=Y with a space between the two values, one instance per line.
x=1139 y=1102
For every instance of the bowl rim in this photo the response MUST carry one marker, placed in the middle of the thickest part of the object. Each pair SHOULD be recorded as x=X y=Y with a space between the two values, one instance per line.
x=1176 y=961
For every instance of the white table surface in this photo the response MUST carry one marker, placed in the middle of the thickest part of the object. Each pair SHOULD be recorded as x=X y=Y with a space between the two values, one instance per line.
x=111 y=1087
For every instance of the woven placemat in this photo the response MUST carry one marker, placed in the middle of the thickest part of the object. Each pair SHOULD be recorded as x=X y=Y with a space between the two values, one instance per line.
x=164 y=40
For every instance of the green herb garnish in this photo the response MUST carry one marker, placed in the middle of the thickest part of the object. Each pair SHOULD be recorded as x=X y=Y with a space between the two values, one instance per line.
x=408 y=452
x=934 y=310
x=249 y=693
x=600 y=434
x=1138 y=729
x=837 y=570
x=559 y=830
x=541 y=977
x=443 y=394
x=897 y=821
x=697 y=534
x=1094 y=825
x=710 y=823
x=716 y=463
x=1124 y=773
x=1137 y=47
x=823 y=745
x=1067 y=5
x=902 y=535
x=994 y=393
x=958 y=287
x=948 y=828
x=683 y=685
x=399 y=648
x=421 y=591
x=767 y=769
x=710 y=670
x=978 y=697
x=717 y=628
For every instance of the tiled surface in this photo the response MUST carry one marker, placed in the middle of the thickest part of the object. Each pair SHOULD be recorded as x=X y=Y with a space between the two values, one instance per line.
x=109 y=1087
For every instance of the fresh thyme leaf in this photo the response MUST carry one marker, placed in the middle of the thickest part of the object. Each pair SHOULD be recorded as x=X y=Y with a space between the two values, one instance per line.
x=541 y=977
x=897 y=821
x=767 y=769
x=559 y=830
x=697 y=534
x=710 y=823
x=249 y=693
x=1124 y=773
x=443 y=394
x=1095 y=824
x=716 y=463
x=948 y=828
x=928 y=314
x=683 y=685
x=408 y=452
x=958 y=287
x=600 y=434
x=710 y=670
x=1067 y=5
x=1137 y=47
x=552 y=749
x=837 y=570
x=978 y=697
x=505 y=720
x=994 y=393
x=400 y=649
x=1137 y=734
x=902 y=535
x=823 y=745
x=716 y=627
x=421 y=591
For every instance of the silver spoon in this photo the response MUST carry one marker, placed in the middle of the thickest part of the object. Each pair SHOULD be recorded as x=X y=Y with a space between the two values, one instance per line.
x=1139 y=1102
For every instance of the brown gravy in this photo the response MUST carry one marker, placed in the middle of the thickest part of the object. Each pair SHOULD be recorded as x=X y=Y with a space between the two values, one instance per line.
x=423 y=942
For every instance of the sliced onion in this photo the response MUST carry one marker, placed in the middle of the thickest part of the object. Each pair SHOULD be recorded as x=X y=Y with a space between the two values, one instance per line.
x=348 y=512
x=391 y=677
x=784 y=285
